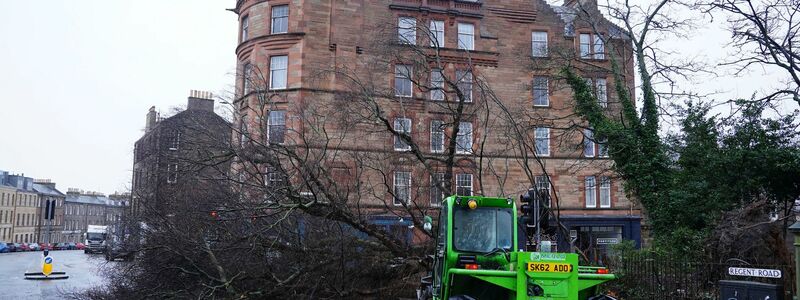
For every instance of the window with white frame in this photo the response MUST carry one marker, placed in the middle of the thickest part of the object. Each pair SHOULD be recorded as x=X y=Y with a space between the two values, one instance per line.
x=402 y=81
x=280 y=19
x=465 y=84
x=590 y=188
x=586 y=45
x=464 y=184
x=437 y=136
x=599 y=48
x=605 y=192
x=601 y=92
x=172 y=173
x=247 y=77
x=437 y=85
x=539 y=44
x=437 y=192
x=402 y=126
x=244 y=135
x=437 y=33
x=591 y=46
x=541 y=93
x=276 y=126
x=245 y=28
x=464 y=138
x=466 y=36
x=588 y=143
x=272 y=177
x=542 y=139
x=278 y=66
x=174 y=140
x=407 y=30
x=402 y=188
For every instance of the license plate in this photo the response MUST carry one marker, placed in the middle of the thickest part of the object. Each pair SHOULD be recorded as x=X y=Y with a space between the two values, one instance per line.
x=549 y=267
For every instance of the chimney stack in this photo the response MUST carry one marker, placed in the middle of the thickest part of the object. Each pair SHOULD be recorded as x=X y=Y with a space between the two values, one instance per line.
x=200 y=100
x=151 y=119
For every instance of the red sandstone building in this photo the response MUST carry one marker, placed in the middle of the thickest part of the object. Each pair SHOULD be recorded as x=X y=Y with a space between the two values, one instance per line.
x=301 y=60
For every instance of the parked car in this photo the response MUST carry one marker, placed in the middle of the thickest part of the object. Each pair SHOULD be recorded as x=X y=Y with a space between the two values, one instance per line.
x=60 y=246
x=72 y=246
x=3 y=247
x=34 y=247
x=23 y=247
x=12 y=247
x=46 y=246
x=80 y=246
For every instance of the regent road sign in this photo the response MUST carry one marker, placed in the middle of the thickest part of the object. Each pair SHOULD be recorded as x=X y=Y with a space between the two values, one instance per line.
x=766 y=273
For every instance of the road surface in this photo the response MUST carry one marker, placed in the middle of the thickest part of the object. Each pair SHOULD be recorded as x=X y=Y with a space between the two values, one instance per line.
x=84 y=271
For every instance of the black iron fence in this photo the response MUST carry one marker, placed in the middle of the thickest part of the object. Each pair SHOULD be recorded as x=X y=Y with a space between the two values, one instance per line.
x=655 y=276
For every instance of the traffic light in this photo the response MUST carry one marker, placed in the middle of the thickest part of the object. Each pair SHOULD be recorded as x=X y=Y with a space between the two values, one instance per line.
x=527 y=208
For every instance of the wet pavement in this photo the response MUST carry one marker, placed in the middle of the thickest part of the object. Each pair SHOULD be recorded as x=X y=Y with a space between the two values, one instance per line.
x=84 y=271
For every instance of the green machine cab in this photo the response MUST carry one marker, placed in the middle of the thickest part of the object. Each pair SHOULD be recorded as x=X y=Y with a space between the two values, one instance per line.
x=477 y=257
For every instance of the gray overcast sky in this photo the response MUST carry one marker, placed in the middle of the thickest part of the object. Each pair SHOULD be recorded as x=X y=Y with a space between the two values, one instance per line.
x=77 y=77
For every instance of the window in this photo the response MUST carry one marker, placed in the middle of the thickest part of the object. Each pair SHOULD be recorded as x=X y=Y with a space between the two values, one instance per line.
x=605 y=192
x=540 y=91
x=245 y=27
x=591 y=192
x=280 y=19
x=464 y=184
x=277 y=72
x=588 y=143
x=465 y=84
x=437 y=193
x=586 y=45
x=437 y=85
x=174 y=140
x=273 y=178
x=276 y=126
x=542 y=137
x=437 y=136
x=247 y=79
x=602 y=147
x=437 y=34
x=466 y=36
x=539 y=43
x=464 y=138
x=407 y=30
x=402 y=188
x=599 y=47
x=591 y=46
x=243 y=130
x=402 y=126
x=402 y=81
x=601 y=92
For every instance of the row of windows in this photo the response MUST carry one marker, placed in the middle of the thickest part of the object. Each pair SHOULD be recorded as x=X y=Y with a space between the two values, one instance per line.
x=279 y=22
x=26 y=220
x=402 y=188
x=278 y=74
x=90 y=210
x=591 y=45
x=592 y=147
x=7 y=199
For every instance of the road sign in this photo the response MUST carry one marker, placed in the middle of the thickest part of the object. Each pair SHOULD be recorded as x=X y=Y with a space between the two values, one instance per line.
x=749 y=272
x=47 y=267
x=607 y=241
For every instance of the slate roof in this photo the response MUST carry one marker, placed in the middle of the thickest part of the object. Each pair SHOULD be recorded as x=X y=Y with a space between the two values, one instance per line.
x=47 y=190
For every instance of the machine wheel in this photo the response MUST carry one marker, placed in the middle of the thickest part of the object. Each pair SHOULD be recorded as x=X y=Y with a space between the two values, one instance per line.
x=602 y=297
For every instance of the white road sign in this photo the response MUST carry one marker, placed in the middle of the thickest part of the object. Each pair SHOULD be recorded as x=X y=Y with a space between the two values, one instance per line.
x=766 y=273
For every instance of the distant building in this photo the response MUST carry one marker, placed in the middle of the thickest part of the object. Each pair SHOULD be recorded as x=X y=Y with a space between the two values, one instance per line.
x=82 y=209
x=7 y=197
x=25 y=202
x=166 y=156
x=50 y=230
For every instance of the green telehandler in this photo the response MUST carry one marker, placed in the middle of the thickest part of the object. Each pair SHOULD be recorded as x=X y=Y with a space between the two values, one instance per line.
x=477 y=257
